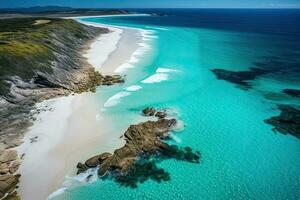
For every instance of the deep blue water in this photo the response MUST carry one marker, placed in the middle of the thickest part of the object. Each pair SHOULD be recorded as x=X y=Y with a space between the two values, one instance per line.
x=241 y=157
x=273 y=21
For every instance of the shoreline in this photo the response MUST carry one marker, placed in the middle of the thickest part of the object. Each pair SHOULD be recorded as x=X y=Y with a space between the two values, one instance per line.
x=58 y=135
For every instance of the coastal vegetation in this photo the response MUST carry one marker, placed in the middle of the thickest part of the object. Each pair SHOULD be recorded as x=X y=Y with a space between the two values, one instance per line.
x=56 y=11
x=40 y=58
x=27 y=47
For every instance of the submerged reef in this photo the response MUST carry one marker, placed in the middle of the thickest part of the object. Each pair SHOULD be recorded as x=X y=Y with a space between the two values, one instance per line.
x=292 y=92
x=288 y=121
x=241 y=78
x=135 y=162
x=283 y=67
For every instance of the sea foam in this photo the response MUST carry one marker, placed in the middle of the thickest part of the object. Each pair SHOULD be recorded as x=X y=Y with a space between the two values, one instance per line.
x=165 y=70
x=123 y=67
x=134 y=88
x=147 y=35
x=176 y=138
x=156 y=78
x=157 y=28
x=179 y=126
x=90 y=176
x=57 y=193
x=115 y=99
x=160 y=75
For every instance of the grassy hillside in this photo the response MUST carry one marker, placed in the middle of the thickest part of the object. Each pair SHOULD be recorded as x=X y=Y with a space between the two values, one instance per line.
x=30 y=45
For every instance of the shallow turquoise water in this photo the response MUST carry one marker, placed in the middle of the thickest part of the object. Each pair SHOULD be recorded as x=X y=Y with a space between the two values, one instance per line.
x=242 y=158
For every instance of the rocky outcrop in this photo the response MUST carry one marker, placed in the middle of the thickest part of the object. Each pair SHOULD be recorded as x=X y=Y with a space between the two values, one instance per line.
x=111 y=80
x=9 y=163
x=153 y=112
x=142 y=141
x=288 y=122
x=39 y=61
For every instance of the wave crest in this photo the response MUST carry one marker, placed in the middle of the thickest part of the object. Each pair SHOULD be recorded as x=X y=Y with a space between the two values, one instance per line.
x=115 y=99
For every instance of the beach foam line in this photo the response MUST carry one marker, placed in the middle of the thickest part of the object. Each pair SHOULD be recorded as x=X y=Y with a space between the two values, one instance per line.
x=115 y=99
x=123 y=67
x=99 y=117
x=161 y=74
x=103 y=46
x=179 y=126
x=57 y=193
x=157 y=28
x=143 y=48
x=133 y=88
x=150 y=36
x=175 y=138
x=165 y=70
x=156 y=78
x=90 y=176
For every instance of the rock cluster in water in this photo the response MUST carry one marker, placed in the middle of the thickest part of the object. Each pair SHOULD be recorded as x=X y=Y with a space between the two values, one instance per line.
x=132 y=163
x=288 y=122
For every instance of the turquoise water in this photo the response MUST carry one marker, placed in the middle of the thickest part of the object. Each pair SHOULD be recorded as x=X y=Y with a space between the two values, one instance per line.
x=241 y=157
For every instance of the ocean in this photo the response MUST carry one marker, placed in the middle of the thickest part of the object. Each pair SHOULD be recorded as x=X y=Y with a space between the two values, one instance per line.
x=242 y=157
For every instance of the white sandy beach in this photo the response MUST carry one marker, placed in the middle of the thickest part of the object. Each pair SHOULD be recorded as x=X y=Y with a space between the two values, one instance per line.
x=70 y=130
x=125 y=41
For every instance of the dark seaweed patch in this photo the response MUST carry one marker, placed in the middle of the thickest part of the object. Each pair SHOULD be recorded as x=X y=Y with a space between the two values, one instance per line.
x=146 y=167
x=140 y=172
x=292 y=92
x=281 y=67
x=288 y=121
x=183 y=154
x=240 y=77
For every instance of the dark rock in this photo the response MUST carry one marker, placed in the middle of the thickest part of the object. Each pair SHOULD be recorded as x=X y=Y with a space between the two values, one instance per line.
x=144 y=137
x=14 y=166
x=34 y=139
x=8 y=183
x=92 y=162
x=8 y=155
x=292 y=92
x=41 y=80
x=149 y=111
x=81 y=168
x=12 y=196
x=4 y=168
x=131 y=163
x=160 y=114
x=96 y=160
x=110 y=80
x=288 y=122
